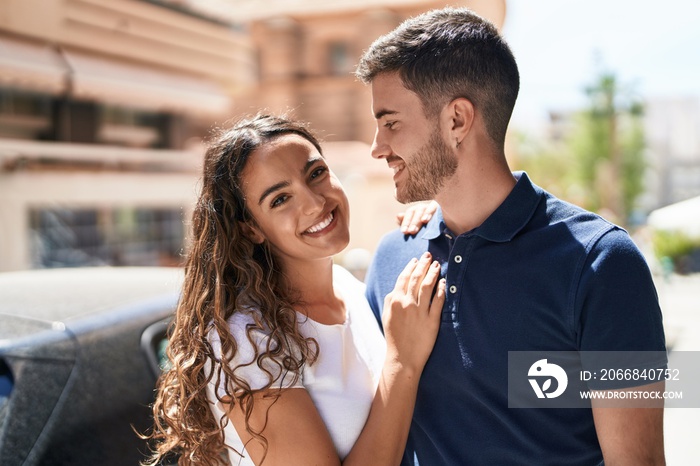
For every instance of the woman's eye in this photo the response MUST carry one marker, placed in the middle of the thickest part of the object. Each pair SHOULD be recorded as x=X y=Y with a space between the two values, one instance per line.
x=278 y=201
x=318 y=172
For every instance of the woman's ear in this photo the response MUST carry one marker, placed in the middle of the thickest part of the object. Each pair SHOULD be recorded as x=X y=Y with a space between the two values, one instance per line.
x=252 y=233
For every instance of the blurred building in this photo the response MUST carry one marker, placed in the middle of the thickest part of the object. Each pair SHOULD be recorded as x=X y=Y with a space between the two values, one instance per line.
x=672 y=149
x=672 y=130
x=307 y=51
x=104 y=104
x=99 y=101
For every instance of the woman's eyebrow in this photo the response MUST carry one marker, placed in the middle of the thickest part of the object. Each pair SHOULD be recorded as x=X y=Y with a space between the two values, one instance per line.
x=272 y=189
x=283 y=184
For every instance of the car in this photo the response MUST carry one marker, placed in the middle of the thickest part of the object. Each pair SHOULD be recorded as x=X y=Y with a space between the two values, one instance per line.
x=80 y=353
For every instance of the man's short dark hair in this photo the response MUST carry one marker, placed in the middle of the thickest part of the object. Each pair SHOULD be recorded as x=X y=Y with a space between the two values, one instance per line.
x=445 y=54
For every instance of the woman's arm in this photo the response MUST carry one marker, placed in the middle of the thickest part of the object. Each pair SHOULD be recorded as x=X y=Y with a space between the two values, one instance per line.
x=294 y=429
x=411 y=322
x=295 y=432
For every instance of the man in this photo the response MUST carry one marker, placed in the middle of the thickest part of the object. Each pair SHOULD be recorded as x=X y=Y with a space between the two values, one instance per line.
x=525 y=271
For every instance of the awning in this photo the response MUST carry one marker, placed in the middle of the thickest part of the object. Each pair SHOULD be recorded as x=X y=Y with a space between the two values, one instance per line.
x=682 y=216
x=31 y=66
x=20 y=153
x=139 y=86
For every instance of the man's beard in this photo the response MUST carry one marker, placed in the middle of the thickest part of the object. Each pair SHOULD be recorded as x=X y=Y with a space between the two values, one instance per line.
x=428 y=170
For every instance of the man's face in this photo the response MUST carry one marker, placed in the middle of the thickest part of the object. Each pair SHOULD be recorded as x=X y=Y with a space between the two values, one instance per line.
x=411 y=143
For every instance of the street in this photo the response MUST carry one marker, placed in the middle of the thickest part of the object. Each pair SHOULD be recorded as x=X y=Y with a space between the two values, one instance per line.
x=680 y=301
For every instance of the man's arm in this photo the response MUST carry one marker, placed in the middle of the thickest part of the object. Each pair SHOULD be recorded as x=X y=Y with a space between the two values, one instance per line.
x=630 y=430
x=620 y=313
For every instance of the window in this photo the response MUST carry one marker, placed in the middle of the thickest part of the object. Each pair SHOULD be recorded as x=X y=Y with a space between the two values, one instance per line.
x=116 y=236
x=339 y=59
x=154 y=342
x=130 y=127
x=24 y=115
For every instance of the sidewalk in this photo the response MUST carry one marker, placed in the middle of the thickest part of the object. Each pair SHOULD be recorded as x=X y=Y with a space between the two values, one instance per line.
x=680 y=302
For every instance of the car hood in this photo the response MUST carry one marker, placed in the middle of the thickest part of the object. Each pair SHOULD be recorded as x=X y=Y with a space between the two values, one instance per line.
x=43 y=310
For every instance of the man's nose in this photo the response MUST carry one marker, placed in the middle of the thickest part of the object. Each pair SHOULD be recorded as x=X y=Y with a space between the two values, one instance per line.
x=380 y=149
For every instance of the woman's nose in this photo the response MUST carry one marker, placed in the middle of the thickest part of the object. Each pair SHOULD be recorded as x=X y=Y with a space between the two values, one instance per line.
x=313 y=202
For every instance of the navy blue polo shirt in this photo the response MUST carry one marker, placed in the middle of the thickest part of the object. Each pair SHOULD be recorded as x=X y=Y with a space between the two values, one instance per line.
x=539 y=274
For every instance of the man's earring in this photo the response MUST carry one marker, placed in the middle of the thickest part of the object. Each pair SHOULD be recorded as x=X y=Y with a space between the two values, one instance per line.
x=458 y=142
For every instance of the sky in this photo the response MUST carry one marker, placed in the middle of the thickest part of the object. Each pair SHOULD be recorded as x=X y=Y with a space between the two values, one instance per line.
x=561 y=46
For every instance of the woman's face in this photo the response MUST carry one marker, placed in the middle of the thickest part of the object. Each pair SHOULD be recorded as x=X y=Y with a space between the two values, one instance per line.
x=298 y=204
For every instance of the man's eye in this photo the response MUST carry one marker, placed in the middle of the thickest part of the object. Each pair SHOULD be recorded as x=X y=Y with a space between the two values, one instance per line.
x=318 y=172
x=389 y=124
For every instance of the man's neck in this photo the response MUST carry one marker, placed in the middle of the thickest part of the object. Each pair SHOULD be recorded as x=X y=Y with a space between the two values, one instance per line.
x=473 y=194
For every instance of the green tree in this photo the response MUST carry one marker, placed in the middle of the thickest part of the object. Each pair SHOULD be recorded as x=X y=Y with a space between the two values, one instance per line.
x=547 y=162
x=608 y=145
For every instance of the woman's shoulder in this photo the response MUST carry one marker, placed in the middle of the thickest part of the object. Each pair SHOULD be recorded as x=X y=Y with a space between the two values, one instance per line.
x=238 y=324
x=353 y=292
x=244 y=315
x=253 y=358
x=344 y=278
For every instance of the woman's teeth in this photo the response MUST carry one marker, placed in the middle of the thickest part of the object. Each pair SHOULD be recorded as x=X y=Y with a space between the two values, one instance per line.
x=320 y=226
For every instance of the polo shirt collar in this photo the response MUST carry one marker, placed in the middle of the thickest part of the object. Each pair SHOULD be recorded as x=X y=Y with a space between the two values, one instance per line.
x=506 y=221
x=514 y=212
x=435 y=226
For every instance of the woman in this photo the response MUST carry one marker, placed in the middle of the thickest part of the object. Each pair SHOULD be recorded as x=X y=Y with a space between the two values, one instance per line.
x=276 y=355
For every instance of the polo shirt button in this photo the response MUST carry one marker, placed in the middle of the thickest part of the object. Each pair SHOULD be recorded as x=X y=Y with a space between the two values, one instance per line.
x=458 y=259
x=453 y=289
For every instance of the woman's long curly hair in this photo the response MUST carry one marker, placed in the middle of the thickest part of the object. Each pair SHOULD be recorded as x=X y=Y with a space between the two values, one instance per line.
x=225 y=272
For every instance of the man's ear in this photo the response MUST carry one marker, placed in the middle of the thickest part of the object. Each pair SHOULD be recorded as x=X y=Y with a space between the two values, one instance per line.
x=458 y=119
x=252 y=233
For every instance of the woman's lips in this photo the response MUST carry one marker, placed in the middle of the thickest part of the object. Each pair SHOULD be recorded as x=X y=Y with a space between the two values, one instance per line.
x=322 y=225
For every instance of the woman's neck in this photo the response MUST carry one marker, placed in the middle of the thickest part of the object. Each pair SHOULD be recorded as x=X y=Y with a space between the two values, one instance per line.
x=311 y=283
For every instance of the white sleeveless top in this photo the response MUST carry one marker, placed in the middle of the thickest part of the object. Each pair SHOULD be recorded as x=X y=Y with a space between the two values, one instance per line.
x=343 y=380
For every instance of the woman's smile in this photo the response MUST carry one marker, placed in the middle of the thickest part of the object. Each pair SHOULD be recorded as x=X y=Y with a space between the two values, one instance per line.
x=323 y=225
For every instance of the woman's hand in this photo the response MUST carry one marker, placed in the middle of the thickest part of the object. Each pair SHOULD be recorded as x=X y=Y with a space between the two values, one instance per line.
x=415 y=216
x=411 y=320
